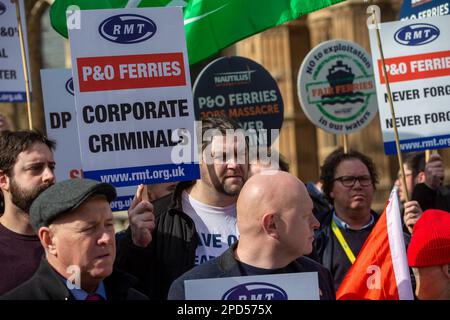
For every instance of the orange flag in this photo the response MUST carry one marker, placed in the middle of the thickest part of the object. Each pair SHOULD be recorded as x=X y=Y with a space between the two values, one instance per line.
x=380 y=271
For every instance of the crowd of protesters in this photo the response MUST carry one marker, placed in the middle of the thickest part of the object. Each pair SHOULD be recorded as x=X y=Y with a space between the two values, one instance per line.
x=263 y=221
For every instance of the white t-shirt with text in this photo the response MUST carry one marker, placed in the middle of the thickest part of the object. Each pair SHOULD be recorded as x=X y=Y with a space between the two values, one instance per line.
x=216 y=227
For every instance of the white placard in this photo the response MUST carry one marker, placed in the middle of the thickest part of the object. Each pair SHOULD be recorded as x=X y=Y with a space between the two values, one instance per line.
x=417 y=55
x=61 y=124
x=133 y=94
x=12 y=81
x=288 y=286
x=336 y=87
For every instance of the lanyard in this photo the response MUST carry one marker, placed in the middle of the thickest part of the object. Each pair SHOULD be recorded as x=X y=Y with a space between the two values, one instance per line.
x=342 y=242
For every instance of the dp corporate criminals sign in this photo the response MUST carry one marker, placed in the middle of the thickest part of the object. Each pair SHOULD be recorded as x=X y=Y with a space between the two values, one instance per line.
x=243 y=90
x=133 y=96
x=336 y=87
x=61 y=125
x=417 y=57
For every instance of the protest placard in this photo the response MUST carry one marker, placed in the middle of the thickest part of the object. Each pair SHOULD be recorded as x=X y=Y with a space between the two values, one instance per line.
x=336 y=87
x=12 y=81
x=133 y=96
x=61 y=125
x=288 y=286
x=417 y=57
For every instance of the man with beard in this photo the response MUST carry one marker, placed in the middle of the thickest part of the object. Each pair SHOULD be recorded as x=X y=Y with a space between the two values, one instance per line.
x=197 y=223
x=4 y=126
x=26 y=169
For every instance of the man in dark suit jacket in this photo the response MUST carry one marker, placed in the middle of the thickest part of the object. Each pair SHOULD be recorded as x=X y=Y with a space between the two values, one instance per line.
x=75 y=225
x=276 y=225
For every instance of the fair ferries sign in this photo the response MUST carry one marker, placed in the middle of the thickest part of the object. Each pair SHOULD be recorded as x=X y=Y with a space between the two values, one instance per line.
x=336 y=87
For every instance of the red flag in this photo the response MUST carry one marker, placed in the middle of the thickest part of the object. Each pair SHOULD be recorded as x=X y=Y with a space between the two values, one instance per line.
x=380 y=271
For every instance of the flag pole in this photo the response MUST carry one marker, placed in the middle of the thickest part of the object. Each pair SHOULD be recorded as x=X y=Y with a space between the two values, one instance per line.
x=24 y=65
x=427 y=155
x=391 y=105
x=132 y=3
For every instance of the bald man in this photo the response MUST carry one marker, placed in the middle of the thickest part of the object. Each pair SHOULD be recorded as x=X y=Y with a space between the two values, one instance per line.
x=276 y=225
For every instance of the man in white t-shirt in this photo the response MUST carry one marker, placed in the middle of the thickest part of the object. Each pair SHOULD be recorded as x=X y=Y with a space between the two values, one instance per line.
x=216 y=227
x=196 y=223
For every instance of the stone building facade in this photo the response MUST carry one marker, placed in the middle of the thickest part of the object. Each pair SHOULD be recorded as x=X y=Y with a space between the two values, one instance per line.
x=280 y=50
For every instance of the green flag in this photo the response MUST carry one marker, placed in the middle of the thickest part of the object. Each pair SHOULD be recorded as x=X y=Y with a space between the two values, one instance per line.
x=210 y=25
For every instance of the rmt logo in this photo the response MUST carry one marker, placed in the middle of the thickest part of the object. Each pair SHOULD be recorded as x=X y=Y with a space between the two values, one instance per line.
x=255 y=291
x=69 y=86
x=2 y=8
x=127 y=28
x=417 y=34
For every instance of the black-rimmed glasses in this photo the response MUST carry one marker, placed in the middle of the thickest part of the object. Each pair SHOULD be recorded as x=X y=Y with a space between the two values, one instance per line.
x=349 y=181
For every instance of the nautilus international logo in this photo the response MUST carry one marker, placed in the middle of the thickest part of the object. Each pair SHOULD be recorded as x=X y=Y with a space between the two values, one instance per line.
x=233 y=78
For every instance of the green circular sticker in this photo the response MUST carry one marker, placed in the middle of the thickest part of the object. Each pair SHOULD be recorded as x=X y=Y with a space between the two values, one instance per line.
x=336 y=87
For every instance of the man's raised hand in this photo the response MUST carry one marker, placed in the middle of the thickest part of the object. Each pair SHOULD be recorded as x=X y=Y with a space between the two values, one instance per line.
x=434 y=171
x=141 y=217
x=412 y=214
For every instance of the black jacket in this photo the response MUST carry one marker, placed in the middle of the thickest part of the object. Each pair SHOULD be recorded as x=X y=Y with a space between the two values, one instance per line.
x=45 y=284
x=432 y=199
x=323 y=246
x=171 y=252
x=226 y=266
x=323 y=249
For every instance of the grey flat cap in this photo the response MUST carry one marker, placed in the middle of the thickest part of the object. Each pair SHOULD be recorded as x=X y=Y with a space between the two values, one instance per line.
x=65 y=196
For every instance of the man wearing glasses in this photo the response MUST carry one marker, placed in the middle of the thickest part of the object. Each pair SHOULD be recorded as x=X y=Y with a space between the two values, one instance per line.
x=349 y=181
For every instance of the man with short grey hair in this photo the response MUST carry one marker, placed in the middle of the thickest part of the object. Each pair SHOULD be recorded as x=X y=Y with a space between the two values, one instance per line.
x=75 y=225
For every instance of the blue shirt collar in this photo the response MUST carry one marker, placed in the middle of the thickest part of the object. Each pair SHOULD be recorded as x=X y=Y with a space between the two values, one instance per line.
x=343 y=225
x=80 y=294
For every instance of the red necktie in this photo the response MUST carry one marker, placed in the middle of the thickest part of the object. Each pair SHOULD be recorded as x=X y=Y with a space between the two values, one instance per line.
x=94 y=296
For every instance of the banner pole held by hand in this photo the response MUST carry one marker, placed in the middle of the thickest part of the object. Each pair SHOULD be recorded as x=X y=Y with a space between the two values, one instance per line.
x=345 y=140
x=391 y=104
x=24 y=64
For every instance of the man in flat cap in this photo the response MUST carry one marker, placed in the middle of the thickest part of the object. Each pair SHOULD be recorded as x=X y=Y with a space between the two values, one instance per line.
x=75 y=225
x=429 y=255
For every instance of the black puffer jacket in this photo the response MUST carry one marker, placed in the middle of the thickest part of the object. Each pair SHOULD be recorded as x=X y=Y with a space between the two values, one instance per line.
x=171 y=252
